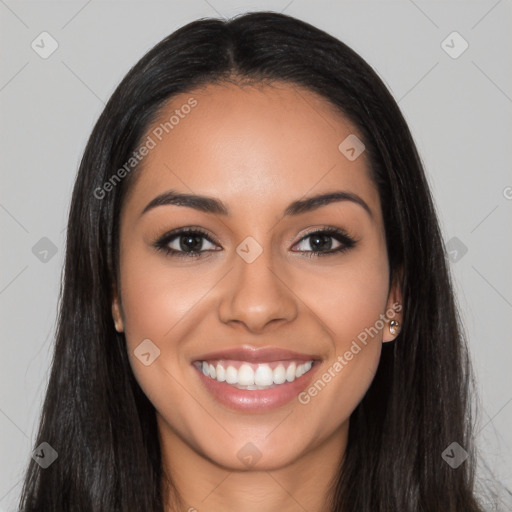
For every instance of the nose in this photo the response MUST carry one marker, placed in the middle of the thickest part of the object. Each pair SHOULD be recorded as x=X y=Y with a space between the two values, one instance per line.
x=256 y=295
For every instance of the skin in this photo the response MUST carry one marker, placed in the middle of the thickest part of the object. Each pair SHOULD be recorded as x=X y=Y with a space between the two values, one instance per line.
x=256 y=148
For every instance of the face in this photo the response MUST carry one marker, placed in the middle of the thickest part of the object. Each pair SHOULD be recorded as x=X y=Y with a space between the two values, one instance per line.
x=259 y=271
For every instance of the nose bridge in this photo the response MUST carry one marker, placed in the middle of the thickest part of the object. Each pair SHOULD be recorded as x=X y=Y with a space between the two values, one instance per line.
x=256 y=294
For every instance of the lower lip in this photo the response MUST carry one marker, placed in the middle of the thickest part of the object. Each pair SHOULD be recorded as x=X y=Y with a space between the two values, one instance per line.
x=257 y=400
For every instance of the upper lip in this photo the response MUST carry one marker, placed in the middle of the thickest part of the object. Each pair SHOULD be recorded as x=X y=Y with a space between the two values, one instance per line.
x=256 y=355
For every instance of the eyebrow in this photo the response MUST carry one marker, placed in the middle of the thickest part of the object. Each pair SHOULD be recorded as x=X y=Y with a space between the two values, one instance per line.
x=208 y=204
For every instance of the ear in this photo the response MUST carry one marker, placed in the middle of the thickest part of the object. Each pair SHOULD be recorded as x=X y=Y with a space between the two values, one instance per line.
x=394 y=308
x=117 y=313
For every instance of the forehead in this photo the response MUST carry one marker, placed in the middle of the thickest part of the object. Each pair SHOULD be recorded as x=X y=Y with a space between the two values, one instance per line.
x=251 y=146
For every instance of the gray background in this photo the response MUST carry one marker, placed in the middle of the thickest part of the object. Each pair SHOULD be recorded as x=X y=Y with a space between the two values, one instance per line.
x=459 y=111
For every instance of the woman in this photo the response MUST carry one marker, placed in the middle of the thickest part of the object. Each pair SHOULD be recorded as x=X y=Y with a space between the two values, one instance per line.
x=212 y=353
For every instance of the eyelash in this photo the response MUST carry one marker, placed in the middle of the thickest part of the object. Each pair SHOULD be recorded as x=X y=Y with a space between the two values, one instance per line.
x=162 y=244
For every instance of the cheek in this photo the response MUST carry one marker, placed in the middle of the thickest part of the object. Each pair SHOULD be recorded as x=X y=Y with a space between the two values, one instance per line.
x=155 y=297
x=349 y=302
x=347 y=297
x=350 y=298
x=157 y=304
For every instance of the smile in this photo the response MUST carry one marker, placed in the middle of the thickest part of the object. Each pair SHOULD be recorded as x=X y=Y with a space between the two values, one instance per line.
x=251 y=376
x=255 y=387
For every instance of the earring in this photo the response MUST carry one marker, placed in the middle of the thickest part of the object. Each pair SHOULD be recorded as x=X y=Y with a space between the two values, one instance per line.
x=394 y=327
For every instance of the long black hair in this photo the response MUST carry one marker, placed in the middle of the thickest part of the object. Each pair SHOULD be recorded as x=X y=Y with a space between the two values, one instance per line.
x=96 y=416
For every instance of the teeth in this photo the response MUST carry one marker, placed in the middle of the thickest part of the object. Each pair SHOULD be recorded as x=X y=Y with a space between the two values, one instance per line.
x=231 y=375
x=262 y=377
x=221 y=373
x=279 y=376
x=290 y=372
x=245 y=375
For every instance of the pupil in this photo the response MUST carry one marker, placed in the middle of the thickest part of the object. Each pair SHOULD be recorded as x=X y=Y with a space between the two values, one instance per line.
x=319 y=245
x=193 y=247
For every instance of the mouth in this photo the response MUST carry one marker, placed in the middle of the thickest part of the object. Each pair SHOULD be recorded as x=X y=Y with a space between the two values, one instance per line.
x=257 y=381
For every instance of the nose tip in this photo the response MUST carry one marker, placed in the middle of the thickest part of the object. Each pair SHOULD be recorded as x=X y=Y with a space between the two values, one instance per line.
x=257 y=295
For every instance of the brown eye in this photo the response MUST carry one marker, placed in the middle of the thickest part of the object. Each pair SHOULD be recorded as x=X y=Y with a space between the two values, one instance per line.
x=184 y=243
x=321 y=243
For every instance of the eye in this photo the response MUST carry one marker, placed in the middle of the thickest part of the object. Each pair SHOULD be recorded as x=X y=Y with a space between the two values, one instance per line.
x=322 y=239
x=188 y=242
x=184 y=242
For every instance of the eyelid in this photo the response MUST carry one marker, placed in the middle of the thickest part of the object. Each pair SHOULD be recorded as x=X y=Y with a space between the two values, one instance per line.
x=323 y=228
x=186 y=229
